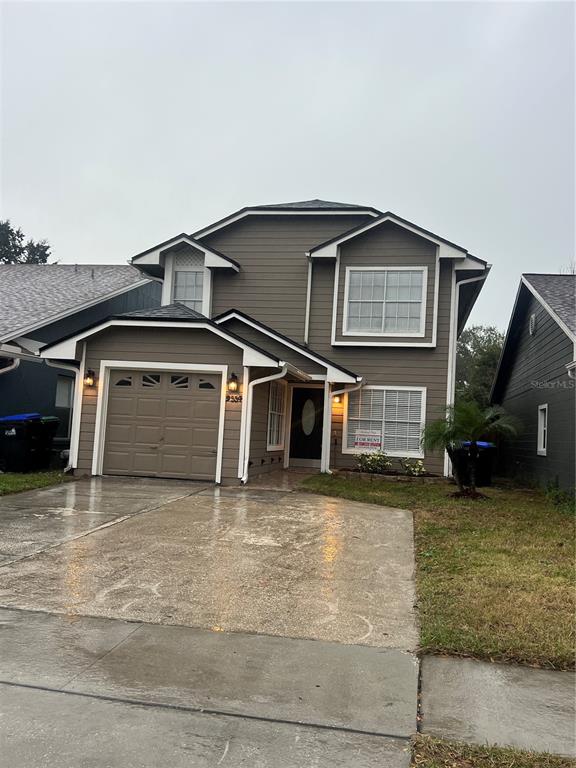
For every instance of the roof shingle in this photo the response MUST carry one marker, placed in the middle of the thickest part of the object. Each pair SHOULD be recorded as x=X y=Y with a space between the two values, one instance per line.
x=559 y=292
x=36 y=294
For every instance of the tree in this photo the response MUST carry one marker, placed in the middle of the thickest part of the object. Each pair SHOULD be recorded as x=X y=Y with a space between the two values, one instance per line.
x=477 y=355
x=467 y=422
x=13 y=249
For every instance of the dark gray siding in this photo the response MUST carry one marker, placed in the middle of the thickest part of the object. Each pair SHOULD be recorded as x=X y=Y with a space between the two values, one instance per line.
x=535 y=374
x=271 y=285
x=32 y=386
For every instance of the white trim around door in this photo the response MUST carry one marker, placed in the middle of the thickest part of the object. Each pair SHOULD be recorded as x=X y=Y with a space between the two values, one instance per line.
x=102 y=402
x=290 y=387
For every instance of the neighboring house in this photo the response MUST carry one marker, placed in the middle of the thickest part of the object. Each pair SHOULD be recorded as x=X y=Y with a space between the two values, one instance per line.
x=291 y=335
x=535 y=380
x=40 y=303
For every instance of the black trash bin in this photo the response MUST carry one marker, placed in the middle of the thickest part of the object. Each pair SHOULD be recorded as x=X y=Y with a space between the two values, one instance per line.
x=26 y=441
x=486 y=453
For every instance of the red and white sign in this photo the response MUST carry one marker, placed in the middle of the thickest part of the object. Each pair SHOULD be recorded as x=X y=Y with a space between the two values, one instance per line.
x=370 y=440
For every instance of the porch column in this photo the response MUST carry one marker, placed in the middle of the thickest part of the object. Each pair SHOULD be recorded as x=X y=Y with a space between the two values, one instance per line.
x=326 y=429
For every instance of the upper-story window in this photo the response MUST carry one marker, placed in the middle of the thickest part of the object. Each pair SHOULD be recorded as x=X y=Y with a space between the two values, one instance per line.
x=188 y=288
x=188 y=282
x=383 y=301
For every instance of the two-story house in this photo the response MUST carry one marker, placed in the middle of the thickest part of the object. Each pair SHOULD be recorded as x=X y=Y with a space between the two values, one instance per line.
x=289 y=335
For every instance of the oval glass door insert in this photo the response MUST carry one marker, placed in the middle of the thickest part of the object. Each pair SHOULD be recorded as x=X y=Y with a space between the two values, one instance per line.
x=308 y=417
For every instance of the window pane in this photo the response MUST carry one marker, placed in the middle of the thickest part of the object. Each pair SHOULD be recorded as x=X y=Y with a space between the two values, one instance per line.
x=188 y=289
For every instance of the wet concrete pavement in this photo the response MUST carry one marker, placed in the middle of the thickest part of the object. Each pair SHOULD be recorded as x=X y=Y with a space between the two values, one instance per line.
x=57 y=730
x=35 y=520
x=483 y=703
x=232 y=559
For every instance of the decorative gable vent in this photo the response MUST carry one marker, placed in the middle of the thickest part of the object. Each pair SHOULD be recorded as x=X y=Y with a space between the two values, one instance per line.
x=532 y=325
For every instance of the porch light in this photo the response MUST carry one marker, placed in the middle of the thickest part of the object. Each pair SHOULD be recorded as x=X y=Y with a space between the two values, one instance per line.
x=89 y=378
x=233 y=383
x=337 y=398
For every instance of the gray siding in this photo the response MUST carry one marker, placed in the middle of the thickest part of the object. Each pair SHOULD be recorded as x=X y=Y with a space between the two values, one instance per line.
x=388 y=246
x=271 y=285
x=536 y=375
x=403 y=366
x=157 y=345
x=261 y=460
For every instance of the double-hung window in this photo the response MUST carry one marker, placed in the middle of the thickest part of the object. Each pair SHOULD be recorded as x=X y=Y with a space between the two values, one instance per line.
x=276 y=416
x=188 y=288
x=389 y=419
x=384 y=301
x=542 y=445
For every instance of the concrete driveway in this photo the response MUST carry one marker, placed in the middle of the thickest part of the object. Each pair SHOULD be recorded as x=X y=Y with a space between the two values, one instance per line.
x=292 y=610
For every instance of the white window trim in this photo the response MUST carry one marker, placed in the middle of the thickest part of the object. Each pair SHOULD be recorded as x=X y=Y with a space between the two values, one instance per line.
x=102 y=402
x=168 y=285
x=394 y=454
x=383 y=334
x=280 y=445
x=540 y=449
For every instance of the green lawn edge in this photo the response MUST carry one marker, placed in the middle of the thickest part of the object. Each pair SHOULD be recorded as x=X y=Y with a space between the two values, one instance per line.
x=428 y=752
x=494 y=578
x=15 y=482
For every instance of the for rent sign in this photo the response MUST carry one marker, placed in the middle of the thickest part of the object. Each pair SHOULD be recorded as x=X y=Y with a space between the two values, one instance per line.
x=368 y=440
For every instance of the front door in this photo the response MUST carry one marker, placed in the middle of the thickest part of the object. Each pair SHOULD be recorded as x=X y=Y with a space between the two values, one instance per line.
x=306 y=426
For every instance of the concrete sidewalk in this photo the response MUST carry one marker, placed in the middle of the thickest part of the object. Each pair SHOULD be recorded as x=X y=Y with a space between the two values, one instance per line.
x=260 y=700
x=503 y=704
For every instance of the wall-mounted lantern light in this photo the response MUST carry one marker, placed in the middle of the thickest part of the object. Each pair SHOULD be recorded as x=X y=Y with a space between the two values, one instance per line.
x=337 y=399
x=89 y=378
x=233 y=383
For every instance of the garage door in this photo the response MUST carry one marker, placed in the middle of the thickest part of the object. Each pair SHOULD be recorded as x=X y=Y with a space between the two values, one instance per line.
x=162 y=424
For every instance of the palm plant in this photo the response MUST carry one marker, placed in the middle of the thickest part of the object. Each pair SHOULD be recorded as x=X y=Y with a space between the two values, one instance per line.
x=467 y=422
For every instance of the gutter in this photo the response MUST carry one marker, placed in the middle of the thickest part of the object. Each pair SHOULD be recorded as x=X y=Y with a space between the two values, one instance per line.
x=12 y=367
x=77 y=383
x=249 y=403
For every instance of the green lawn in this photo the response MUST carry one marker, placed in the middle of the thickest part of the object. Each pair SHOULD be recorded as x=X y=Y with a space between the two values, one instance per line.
x=437 y=753
x=495 y=577
x=12 y=482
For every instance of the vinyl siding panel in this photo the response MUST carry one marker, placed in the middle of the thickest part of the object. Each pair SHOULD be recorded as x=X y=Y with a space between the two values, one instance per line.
x=402 y=366
x=536 y=375
x=388 y=246
x=261 y=460
x=158 y=345
x=271 y=285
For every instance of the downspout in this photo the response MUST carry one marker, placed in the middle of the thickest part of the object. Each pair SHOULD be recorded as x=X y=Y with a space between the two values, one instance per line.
x=12 y=367
x=250 y=400
x=77 y=383
x=360 y=384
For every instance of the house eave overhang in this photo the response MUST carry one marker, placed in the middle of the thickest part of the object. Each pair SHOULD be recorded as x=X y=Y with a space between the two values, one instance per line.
x=66 y=349
x=446 y=249
x=334 y=373
x=153 y=259
x=549 y=309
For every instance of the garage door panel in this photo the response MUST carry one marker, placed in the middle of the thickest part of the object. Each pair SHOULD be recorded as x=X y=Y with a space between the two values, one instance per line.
x=162 y=424
x=149 y=406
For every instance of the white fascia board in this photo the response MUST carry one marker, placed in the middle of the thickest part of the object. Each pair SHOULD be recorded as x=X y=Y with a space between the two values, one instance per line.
x=232 y=219
x=211 y=259
x=467 y=265
x=333 y=374
x=445 y=251
x=549 y=309
x=66 y=350
x=31 y=345
x=73 y=310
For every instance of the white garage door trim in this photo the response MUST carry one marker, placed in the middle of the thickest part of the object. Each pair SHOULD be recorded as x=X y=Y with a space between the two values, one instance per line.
x=138 y=365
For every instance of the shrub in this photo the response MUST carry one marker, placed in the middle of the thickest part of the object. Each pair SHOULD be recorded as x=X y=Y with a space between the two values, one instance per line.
x=376 y=463
x=413 y=467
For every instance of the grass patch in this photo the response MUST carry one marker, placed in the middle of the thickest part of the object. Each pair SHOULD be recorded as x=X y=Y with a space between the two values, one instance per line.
x=437 y=753
x=494 y=577
x=14 y=482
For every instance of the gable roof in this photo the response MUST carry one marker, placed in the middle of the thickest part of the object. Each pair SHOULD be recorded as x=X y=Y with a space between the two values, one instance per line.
x=34 y=295
x=557 y=294
x=213 y=258
x=328 y=248
x=313 y=205
x=286 y=340
x=174 y=315
x=301 y=208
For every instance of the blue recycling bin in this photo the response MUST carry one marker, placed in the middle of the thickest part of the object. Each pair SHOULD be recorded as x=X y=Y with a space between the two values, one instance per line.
x=26 y=441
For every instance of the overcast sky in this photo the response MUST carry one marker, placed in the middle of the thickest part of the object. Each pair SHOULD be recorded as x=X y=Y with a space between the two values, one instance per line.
x=124 y=124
